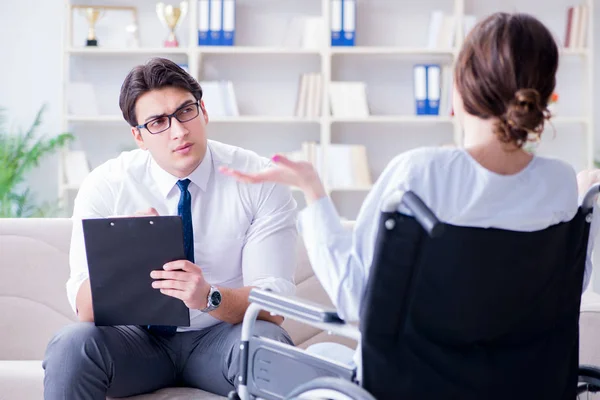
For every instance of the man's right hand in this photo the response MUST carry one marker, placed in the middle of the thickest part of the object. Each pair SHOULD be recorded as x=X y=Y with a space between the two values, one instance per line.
x=149 y=212
x=85 y=310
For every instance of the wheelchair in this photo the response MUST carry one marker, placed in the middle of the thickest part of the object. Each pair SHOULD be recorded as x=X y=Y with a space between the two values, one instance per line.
x=449 y=312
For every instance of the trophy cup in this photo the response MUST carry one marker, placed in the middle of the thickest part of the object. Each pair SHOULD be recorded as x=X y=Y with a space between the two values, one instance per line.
x=92 y=15
x=171 y=17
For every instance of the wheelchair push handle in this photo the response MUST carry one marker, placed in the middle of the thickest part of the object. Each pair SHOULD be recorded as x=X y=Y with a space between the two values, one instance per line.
x=422 y=213
x=417 y=207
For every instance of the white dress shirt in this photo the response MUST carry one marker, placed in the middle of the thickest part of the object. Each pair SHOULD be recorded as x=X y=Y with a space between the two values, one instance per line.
x=244 y=235
x=458 y=190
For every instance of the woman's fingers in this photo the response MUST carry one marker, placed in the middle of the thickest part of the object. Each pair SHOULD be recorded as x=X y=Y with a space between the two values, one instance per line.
x=268 y=175
x=283 y=160
x=241 y=176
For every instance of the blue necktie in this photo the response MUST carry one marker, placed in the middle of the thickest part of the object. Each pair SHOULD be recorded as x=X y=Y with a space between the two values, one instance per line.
x=184 y=210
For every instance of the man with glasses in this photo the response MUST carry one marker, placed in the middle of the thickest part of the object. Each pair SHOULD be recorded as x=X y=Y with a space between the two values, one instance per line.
x=236 y=237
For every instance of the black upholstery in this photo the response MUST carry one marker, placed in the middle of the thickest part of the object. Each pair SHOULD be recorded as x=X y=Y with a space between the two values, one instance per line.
x=473 y=314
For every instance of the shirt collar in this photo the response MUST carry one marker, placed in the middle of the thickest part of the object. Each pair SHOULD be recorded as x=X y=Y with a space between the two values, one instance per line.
x=199 y=177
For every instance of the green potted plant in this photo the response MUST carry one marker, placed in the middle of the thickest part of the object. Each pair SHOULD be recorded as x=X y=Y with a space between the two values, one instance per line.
x=19 y=153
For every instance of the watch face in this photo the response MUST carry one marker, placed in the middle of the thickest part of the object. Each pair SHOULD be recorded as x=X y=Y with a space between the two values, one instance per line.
x=215 y=298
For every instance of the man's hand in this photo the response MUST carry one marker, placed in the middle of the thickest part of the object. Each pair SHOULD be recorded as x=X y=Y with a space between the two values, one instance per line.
x=149 y=212
x=180 y=279
x=183 y=280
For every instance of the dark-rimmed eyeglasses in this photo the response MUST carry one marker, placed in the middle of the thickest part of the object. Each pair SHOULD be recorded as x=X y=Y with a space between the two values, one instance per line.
x=185 y=113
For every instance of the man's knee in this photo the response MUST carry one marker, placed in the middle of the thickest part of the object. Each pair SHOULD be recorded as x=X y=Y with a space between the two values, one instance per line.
x=72 y=342
x=272 y=331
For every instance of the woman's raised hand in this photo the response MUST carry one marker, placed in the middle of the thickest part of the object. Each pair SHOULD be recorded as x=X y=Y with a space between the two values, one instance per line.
x=300 y=174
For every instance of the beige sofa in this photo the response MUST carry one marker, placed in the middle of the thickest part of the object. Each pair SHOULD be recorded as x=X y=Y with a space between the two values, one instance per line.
x=33 y=305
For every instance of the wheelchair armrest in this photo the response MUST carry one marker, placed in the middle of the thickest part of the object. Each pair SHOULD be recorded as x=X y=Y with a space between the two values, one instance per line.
x=293 y=306
x=302 y=310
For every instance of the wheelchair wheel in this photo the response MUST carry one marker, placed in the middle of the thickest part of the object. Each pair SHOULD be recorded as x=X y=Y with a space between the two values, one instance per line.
x=588 y=386
x=328 y=388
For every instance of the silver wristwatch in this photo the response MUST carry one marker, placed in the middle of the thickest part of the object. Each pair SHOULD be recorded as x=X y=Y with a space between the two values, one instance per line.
x=214 y=300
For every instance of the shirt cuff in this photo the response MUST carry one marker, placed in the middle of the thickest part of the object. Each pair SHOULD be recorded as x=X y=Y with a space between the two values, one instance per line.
x=319 y=222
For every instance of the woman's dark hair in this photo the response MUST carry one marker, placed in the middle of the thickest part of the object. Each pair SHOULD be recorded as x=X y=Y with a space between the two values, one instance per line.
x=506 y=69
x=155 y=74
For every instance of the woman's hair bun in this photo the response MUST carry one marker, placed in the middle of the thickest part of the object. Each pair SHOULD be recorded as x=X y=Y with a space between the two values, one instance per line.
x=525 y=114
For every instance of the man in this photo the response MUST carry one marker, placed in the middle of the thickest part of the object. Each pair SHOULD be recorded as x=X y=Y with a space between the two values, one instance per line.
x=236 y=237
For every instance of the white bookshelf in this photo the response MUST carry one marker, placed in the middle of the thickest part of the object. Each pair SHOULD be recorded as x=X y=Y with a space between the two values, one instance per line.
x=390 y=50
x=394 y=119
x=244 y=119
x=391 y=38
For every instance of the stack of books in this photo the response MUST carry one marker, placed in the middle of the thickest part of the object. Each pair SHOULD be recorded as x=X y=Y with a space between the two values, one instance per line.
x=310 y=95
x=577 y=24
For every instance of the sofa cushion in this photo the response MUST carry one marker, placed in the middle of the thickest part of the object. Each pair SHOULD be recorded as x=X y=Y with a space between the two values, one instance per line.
x=21 y=379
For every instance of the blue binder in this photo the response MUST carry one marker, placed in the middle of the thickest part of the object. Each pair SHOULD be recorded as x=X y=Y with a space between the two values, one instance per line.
x=349 y=22
x=420 y=88
x=215 y=22
x=228 y=23
x=343 y=22
x=203 y=22
x=434 y=73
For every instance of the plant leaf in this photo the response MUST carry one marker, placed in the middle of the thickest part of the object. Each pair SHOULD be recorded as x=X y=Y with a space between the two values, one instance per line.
x=19 y=153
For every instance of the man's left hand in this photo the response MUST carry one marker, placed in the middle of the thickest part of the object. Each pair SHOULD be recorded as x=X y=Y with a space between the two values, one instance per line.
x=183 y=280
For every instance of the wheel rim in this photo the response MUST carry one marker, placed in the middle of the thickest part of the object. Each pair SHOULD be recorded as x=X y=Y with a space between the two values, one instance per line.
x=321 y=394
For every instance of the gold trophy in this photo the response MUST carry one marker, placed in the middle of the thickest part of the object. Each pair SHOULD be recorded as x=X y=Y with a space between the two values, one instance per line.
x=92 y=15
x=171 y=17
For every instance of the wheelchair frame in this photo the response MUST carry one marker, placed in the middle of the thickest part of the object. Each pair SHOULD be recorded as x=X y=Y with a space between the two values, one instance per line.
x=259 y=350
x=251 y=385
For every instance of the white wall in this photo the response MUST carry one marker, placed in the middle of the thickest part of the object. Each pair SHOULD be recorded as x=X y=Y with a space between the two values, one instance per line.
x=30 y=74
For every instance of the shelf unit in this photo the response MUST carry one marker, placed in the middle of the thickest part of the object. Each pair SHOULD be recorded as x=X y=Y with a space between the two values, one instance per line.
x=266 y=75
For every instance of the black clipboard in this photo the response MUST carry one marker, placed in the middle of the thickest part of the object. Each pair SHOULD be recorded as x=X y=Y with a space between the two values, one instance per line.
x=121 y=253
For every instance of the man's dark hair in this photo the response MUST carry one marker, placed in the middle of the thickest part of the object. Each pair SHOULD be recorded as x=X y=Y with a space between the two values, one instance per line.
x=154 y=74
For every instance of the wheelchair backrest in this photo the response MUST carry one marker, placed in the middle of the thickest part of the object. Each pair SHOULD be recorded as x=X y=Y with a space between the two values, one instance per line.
x=473 y=313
